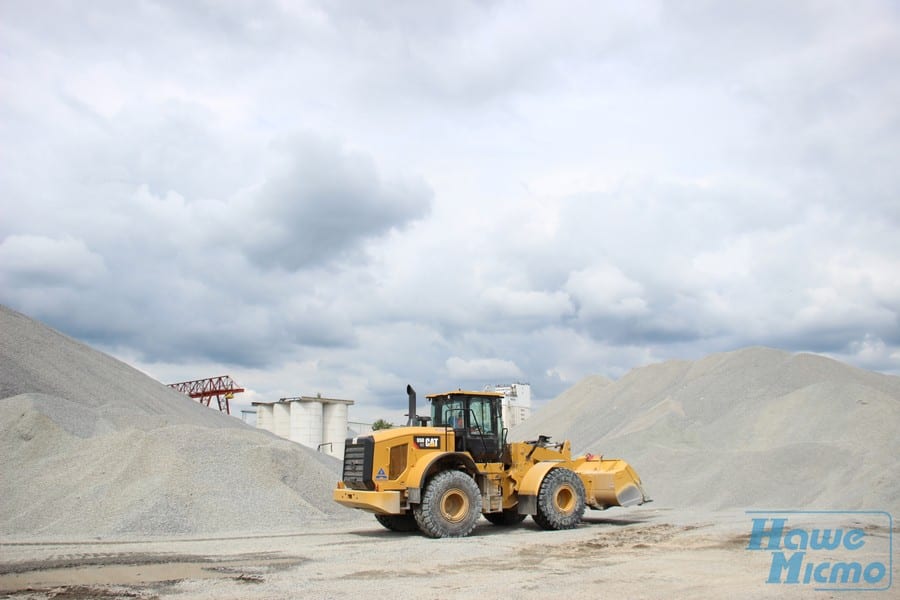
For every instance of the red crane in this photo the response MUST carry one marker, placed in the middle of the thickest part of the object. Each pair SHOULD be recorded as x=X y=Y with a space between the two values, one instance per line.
x=222 y=388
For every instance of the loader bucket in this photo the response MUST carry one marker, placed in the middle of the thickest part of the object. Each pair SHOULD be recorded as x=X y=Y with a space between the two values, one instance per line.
x=610 y=482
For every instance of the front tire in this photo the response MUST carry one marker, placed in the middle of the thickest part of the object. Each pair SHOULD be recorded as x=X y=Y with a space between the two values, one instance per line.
x=560 y=502
x=403 y=523
x=450 y=505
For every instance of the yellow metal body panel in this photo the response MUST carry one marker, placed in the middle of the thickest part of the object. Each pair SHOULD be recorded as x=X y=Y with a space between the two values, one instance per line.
x=416 y=455
x=384 y=503
x=415 y=477
x=531 y=483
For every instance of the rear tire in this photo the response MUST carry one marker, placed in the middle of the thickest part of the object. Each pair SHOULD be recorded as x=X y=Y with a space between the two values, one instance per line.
x=450 y=505
x=560 y=502
x=506 y=518
x=404 y=523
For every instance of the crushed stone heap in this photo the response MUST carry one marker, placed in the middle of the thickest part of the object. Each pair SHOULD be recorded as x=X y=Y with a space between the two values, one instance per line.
x=755 y=428
x=93 y=447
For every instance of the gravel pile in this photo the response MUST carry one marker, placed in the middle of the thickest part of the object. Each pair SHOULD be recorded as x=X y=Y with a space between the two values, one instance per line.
x=93 y=447
x=755 y=428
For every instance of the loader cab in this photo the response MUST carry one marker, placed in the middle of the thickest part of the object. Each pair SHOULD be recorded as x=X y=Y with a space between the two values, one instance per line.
x=476 y=420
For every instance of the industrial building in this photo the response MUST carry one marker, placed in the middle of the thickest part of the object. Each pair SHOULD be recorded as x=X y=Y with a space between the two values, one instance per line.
x=317 y=422
x=516 y=402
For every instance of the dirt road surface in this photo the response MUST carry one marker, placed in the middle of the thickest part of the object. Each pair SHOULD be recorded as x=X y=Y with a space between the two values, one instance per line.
x=638 y=553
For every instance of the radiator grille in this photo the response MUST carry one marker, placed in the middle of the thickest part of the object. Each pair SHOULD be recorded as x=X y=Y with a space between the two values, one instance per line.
x=358 y=455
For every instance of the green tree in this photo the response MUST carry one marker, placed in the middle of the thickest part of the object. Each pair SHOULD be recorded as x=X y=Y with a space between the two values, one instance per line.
x=381 y=424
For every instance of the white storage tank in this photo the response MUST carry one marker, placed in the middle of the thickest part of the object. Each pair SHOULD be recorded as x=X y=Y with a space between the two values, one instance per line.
x=281 y=416
x=316 y=422
x=306 y=422
x=264 y=416
x=334 y=428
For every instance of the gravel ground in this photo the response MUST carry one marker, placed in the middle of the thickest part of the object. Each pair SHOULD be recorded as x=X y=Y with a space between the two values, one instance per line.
x=645 y=552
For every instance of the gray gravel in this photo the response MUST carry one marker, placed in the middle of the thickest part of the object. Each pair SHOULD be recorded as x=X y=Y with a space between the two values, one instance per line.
x=756 y=427
x=93 y=447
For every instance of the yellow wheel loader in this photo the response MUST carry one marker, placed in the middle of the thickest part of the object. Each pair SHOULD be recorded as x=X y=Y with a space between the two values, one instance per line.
x=439 y=478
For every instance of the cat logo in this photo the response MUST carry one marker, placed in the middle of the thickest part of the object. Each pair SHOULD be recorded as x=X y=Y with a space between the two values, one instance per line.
x=428 y=442
x=381 y=474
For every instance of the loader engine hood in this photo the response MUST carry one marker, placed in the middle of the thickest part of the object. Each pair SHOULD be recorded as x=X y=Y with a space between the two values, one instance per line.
x=360 y=472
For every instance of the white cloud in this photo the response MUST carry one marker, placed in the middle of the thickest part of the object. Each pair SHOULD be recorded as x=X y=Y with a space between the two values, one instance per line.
x=482 y=368
x=33 y=261
x=603 y=290
x=334 y=196
x=516 y=304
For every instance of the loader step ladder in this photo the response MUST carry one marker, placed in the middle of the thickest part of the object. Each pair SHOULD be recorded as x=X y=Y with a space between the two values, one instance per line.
x=491 y=495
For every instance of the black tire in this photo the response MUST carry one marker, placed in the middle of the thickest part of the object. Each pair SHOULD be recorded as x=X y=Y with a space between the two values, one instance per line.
x=450 y=505
x=404 y=522
x=505 y=518
x=560 y=503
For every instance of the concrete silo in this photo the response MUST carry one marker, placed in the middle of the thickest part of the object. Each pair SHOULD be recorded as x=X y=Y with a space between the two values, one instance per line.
x=281 y=419
x=265 y=418
x=334 y=428
x=306 y=422
x=316 y=422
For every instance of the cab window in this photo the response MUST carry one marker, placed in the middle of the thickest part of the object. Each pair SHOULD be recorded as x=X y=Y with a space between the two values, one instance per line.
x=480 y=415
x=448 y=412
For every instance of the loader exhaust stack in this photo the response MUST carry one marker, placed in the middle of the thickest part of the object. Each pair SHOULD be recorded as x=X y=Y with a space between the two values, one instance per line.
x=411 y=420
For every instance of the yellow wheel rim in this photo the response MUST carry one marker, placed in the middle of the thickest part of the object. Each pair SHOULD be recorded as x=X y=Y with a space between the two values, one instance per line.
x=454 y=505
x=564 y=499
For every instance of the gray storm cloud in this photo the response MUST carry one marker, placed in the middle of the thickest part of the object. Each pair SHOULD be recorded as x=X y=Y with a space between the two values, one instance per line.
x=333 y=197
x=322 y=204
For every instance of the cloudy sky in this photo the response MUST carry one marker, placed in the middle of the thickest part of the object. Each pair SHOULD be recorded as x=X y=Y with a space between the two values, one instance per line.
x=343 y=197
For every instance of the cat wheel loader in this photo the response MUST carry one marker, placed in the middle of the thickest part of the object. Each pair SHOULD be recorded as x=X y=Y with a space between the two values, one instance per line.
x=439 y=478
